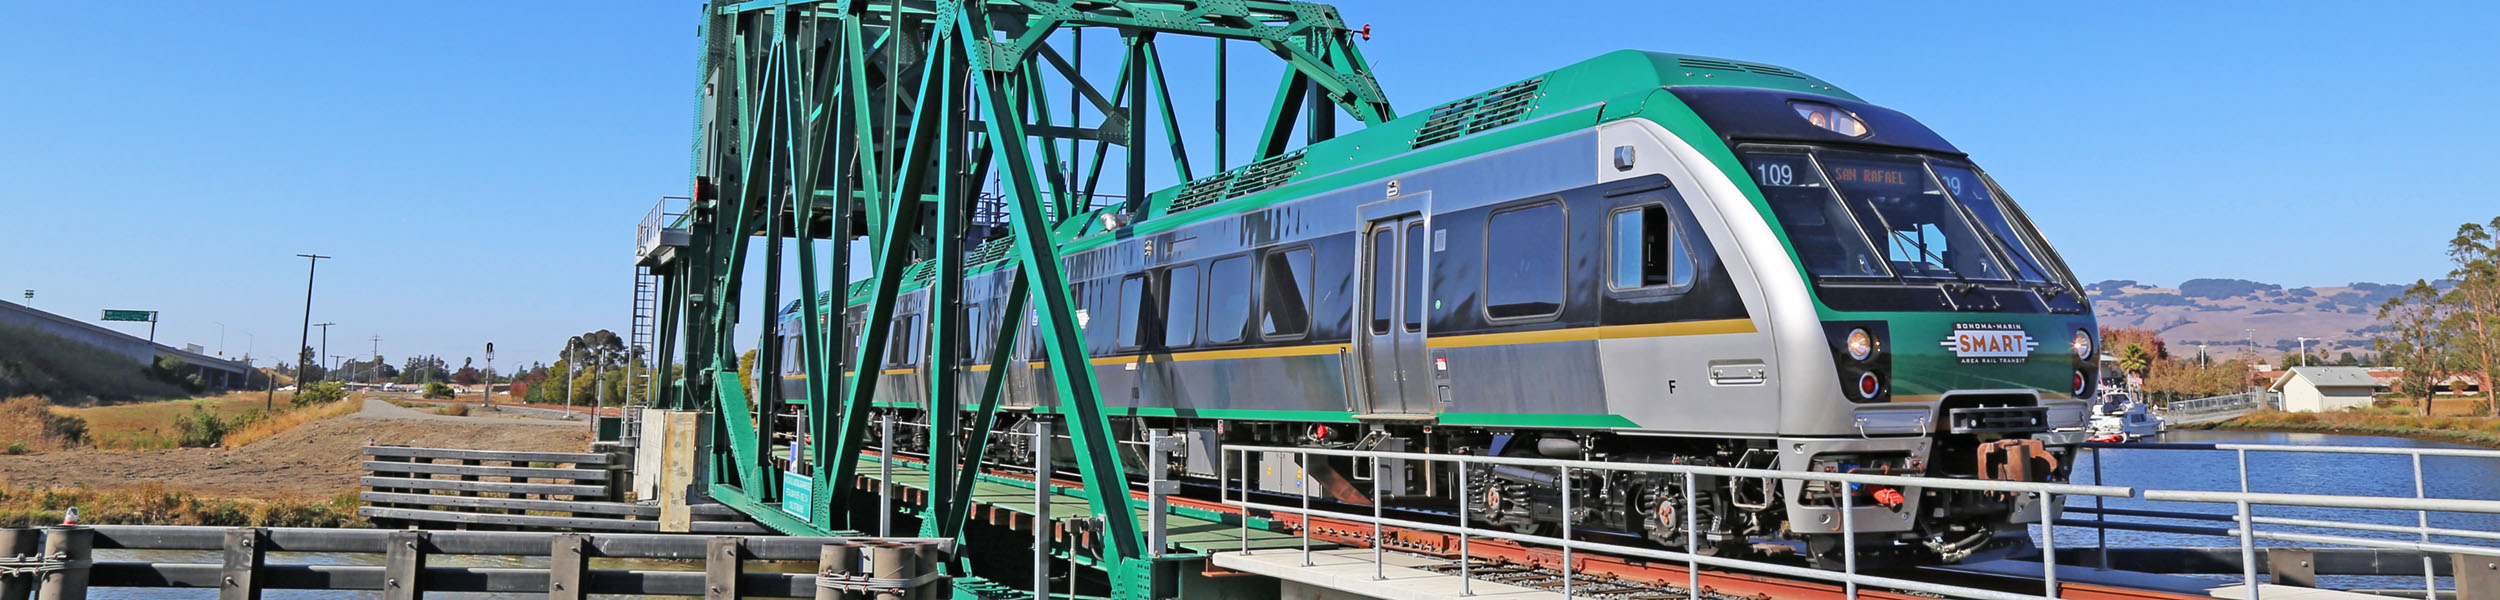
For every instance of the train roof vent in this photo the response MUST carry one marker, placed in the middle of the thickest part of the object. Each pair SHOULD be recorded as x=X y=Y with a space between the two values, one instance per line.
x=923 y=271
x=1736 y=67
x=990 y=251
x=1202 y=192
x=1502 y=106
x=1249 y=179
x=1265 y=174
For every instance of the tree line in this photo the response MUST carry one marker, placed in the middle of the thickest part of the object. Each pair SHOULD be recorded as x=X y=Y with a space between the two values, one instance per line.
x=2451 y=327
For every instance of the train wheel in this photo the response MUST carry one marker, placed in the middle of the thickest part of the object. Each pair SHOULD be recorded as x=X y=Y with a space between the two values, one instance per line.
x=1504 y=502
x=1666 y=518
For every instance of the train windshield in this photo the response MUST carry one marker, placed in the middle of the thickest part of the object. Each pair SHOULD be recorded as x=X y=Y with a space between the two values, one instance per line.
x=1874 y=216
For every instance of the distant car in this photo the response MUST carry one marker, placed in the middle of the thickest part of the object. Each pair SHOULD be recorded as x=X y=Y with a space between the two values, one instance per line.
x=287 y=389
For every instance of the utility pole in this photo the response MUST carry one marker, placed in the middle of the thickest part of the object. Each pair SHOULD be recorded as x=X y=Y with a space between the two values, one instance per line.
x=490 y=375
x=30 y=298
x=572 y=365
x=305 y=338
x=601 y=380
x=377 y=357
x=325 y=351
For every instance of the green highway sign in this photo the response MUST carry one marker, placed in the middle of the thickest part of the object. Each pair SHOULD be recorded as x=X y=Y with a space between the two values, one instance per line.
x=130 y=315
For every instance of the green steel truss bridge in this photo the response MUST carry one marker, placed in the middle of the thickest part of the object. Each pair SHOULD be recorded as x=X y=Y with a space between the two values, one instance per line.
x=850 y=120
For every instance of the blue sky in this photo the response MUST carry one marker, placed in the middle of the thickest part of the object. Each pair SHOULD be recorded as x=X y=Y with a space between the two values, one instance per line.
x=477 y=171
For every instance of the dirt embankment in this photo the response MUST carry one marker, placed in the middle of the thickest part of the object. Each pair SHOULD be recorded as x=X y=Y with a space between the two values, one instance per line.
x=317 y=460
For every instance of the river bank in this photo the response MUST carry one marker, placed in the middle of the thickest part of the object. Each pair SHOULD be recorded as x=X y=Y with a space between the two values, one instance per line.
x=2477 y=431
x=305 y=476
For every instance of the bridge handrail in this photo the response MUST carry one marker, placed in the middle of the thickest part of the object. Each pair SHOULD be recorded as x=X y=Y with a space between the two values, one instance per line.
x=1848 y=576
x=2219 y=403
x=1893 y=480
x=2318 y=449
x=647 y=233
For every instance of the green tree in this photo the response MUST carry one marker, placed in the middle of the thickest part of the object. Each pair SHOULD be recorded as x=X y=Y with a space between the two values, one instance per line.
x=2416 y=339
x=2475 y=302
x=2134 y=359
x=311 y=367
x=423 y=369
x=436 y=390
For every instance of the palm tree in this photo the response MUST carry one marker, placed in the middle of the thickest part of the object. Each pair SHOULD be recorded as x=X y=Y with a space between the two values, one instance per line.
x=2135 y=360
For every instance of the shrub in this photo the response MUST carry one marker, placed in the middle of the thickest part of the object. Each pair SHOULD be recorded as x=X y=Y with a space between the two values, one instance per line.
x=201 y=429
x=17 y=448
x=436 y=390
x=455 y=409
x=30 y=421
x=324 y=392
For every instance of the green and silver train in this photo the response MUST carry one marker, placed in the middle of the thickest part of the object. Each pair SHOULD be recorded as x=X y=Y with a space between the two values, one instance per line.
x=1642 y=257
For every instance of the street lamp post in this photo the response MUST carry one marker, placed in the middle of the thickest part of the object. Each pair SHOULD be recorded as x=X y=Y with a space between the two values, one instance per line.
x=305 y=337
x=221 y=337
x=2304 y=350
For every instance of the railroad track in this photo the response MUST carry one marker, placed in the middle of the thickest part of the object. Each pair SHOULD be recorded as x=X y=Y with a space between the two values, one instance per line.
x=1599 y=575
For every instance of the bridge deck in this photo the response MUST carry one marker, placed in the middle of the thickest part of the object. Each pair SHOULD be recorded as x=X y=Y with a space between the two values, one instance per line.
x=1192 y=526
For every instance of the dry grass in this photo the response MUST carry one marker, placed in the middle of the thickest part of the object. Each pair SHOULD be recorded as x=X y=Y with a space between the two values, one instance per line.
x=455 y=409
x=2401 y=422
x=262 y=429
x=156 y=504
x=150 y=425
x=28 y=424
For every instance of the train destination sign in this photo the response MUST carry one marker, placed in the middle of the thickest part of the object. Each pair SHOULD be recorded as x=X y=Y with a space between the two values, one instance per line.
x=1990 y=343
x=143 y=316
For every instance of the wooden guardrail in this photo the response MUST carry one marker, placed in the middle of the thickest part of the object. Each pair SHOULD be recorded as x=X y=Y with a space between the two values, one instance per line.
x=474 y=489
x=402 y=563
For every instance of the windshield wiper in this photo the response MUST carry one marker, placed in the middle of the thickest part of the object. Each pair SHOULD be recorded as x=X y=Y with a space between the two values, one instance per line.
x=1898 y=237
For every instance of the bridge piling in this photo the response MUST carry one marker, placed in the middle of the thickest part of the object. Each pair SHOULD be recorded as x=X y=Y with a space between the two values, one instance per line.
x=73 y=547
x=19 y=545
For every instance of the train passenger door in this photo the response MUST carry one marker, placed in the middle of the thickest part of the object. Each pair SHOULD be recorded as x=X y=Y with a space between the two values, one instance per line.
x=1390 y=335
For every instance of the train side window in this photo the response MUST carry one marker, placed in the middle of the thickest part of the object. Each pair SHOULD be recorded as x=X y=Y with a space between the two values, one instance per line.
x=1133 y=311
x=1180 y=306
x=1384 y=243
x=1228 y=300
x=898 y=343
x=1285 y=295
x=1648 y=250
x=1525 y=265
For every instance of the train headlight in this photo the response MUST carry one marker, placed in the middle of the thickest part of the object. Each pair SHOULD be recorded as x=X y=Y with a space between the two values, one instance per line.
x=2083 y=345
x=1830 y=117
x=1861 y=344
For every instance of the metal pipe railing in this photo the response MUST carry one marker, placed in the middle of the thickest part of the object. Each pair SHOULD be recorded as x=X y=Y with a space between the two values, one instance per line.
x=2421 y=504
x=1848 y=577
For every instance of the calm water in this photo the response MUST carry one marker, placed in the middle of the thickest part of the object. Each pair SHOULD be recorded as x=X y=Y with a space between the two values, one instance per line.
x=2286 y=472
x=2372 y=475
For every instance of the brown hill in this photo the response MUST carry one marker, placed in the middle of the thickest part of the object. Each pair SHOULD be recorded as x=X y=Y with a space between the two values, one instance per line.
x=2234 y=318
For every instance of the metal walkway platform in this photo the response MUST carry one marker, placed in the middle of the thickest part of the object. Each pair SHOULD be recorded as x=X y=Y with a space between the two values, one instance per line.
x=1351 y=572
x=1191 y=526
